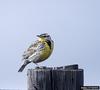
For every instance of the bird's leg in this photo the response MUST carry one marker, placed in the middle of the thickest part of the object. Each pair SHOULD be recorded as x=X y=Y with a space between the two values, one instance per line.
x=37 y=66
x=40 y=67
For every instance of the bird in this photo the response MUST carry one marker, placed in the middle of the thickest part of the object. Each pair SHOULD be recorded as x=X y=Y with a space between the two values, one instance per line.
x=38 y=51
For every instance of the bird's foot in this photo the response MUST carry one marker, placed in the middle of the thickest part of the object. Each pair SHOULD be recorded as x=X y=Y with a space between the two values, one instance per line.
x=41 y=67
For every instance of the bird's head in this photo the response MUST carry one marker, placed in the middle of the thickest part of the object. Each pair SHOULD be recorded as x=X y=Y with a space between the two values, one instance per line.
x=44 y=36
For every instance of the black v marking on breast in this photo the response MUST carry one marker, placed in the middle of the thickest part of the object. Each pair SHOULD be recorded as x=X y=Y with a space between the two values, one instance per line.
x=49 y=43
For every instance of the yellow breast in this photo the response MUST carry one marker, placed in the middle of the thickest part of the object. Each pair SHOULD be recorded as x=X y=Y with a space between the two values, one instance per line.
x=46 y=52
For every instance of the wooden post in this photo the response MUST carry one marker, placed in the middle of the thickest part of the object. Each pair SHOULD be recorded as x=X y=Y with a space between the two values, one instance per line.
x=39 y=79
x=57 y=78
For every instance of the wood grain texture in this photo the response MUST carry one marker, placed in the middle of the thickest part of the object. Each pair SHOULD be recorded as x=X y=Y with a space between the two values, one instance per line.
x=67 y=79
x=39 y=79
x=57 y=78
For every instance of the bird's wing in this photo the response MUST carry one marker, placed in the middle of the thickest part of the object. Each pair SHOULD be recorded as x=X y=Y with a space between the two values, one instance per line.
x=33 y=49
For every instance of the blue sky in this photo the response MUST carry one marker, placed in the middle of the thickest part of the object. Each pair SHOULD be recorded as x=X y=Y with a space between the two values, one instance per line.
x=73 y=24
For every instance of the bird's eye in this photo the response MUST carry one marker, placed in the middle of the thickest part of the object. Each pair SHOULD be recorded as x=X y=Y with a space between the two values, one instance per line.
x=44 y=36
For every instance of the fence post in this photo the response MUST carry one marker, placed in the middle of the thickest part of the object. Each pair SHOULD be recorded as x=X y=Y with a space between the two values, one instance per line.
x=58 y=78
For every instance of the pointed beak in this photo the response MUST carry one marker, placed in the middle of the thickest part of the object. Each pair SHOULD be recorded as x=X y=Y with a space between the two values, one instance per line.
x=38 y=35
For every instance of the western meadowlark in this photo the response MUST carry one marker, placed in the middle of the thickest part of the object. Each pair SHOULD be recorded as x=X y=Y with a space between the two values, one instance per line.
x=38 y=51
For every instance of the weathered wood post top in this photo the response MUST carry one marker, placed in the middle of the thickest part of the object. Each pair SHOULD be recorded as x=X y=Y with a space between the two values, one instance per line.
x=55 y=78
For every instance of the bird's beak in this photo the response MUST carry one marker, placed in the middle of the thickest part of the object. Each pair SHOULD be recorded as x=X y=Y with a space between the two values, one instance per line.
x=38 y=35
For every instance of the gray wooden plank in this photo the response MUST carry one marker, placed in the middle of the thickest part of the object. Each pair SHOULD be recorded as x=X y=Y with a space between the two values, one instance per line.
x=70 y=78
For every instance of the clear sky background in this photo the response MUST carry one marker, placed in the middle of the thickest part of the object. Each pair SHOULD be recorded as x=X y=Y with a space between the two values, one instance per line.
x=73 y=24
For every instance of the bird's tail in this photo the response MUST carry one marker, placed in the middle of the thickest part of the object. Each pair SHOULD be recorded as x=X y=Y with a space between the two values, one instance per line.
x=23 y=66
